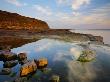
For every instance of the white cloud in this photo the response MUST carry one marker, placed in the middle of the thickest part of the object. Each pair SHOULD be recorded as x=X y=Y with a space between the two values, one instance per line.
x=45 y=10
x=78 y=3
x=43 y=47
x=94 y=19
x=76 y=13
x=76 y=52
x=62 y=1
x=16 y=2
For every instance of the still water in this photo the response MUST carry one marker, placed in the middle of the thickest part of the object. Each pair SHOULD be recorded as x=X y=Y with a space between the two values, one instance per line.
x=62 y=60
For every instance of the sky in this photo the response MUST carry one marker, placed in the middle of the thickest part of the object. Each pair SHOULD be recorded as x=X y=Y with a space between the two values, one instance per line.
x=63 y=14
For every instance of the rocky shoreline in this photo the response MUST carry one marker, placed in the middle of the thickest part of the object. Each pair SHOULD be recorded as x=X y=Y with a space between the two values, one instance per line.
x=17 y=38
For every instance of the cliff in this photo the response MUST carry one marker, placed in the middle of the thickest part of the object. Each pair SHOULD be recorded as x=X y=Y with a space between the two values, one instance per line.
x=15 y=21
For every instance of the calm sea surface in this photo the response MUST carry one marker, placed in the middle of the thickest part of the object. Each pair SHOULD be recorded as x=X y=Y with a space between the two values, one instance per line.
x=62 y=60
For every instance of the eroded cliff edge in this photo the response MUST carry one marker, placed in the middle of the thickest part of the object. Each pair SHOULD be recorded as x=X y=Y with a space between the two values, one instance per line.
x=15 y=21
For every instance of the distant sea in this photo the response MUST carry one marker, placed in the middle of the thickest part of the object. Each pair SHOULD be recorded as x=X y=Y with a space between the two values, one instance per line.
x=104 y=33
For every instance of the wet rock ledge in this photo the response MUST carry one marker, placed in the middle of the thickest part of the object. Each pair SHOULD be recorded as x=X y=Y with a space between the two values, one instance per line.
x=27 y=68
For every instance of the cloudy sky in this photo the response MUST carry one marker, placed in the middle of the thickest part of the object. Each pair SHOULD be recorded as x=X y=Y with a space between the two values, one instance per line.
x=74 y=14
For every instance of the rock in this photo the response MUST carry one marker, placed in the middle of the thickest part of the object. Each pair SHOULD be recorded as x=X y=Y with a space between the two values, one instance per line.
x=55 y=78
x=87 y=55
x=5 y=71
x=23 y=61
x=41 y=63
x=9 y=64
x=28 y=68
x=7 y=56
x=22 y=56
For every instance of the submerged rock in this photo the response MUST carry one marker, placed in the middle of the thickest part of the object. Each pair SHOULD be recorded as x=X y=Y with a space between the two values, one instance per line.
x=41 y=63
x=22 y=56
x=28 y=68
x=5 y=71
x=9 y=64
x=55 y=78
x=86 y=56
x=21 y=79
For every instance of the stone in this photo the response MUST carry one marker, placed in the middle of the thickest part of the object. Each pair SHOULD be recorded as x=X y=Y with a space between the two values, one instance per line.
x=28 y=68
x=5 y=71
x=41 y=63
x=24 y=61
x=7 y=56
x=55 y=78
x=22 y=56
x=9 y=64
x=87 y=55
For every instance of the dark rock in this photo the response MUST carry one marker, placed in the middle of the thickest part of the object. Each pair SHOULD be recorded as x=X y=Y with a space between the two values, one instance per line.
x=9 y=64
x=5 y=71
x=7 y=56
x=28 y=68
x=22 y=56
x=23 y=61
x=41 y=63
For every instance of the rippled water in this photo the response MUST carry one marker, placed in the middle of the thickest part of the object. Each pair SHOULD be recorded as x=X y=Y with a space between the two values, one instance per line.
x=62 y=58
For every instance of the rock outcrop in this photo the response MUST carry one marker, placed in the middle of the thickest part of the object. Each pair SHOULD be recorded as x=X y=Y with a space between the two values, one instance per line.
x=15 y=21
x=87 y=55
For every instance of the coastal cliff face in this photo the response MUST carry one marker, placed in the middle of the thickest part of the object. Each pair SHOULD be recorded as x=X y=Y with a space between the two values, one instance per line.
x=15 y=21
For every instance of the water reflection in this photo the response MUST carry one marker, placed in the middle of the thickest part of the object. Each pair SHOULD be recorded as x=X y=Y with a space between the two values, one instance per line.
x=62 y=61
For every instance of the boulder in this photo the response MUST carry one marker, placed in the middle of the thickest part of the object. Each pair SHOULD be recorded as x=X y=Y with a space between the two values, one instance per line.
x=55 y=78
x=41 y=63
x=9 y=64
x=5 y=71
x=7 y=56
x=28 y=68
x=22 y=56
x=86 y=56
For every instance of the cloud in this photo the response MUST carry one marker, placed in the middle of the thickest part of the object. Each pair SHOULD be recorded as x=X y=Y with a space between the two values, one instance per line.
x=62 y=1
x=76 y=52
x=45 y=10
x=43 y=47
x=16 y=2
x=78 y=3
x=95 y=19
